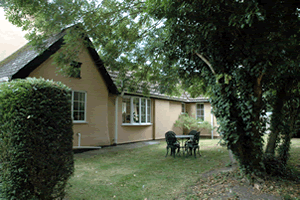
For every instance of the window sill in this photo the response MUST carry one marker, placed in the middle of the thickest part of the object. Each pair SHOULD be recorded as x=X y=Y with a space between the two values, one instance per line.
x=137 y=124
x=80 y=122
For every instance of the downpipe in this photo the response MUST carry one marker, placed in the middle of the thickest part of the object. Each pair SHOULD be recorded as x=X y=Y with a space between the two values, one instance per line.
x=79 y=139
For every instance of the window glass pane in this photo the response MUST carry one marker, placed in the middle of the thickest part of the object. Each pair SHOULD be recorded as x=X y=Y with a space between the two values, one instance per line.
x=143 y=110
x=81 y=106
x=76 y=96
x=82 y=97
x=81 y=116
x=143 y=118
x=76 y=116
x=136 y=110
x=126 y=110
x=148 y=111
x=76 y=107
x=183 y=108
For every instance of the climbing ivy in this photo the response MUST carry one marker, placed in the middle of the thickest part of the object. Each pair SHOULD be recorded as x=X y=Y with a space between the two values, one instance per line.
x=242 y=51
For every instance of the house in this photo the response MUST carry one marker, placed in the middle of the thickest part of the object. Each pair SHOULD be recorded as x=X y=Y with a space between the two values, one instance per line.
x=102 y=114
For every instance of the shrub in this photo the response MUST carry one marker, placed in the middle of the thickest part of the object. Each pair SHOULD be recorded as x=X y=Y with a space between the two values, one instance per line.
x=35 y=139
x=188 y=123
x=276 y=167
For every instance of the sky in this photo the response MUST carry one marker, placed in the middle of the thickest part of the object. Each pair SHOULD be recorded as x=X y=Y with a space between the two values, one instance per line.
x=11 y=37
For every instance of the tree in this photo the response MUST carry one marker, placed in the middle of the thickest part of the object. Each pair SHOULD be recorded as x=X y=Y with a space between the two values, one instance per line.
x=285 y=117
x=241 y=49
x=124 y=35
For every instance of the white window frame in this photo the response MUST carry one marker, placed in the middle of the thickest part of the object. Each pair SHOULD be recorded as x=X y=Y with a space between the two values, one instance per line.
x=184 y=108
x=85 y=106
x=197 y=111
x=140 y=110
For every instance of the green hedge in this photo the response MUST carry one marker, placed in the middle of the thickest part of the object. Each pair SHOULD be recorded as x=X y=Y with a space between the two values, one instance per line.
x=35 y=139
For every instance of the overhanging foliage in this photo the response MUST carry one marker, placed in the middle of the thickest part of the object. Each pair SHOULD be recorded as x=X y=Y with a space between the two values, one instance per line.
x=240 y=50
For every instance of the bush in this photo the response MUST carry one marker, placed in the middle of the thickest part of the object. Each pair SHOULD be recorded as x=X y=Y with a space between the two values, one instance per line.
x=276 y=167
x=35 y=139
x=188 y=123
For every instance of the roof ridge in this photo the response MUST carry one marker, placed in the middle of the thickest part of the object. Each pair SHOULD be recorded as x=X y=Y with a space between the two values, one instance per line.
x=185 y=96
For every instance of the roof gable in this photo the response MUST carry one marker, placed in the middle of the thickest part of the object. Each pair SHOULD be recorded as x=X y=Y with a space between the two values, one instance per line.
x=12 y=66
x=25 y=60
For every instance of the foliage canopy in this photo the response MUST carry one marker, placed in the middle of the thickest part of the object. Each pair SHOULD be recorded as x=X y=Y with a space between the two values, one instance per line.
x=245 y=51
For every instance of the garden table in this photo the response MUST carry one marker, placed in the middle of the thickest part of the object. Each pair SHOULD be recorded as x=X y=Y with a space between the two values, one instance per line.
x=184 y=138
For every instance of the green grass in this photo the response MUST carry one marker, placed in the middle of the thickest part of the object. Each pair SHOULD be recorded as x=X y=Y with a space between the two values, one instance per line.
x=142 y=172
x=145 y=172
x=295 y=153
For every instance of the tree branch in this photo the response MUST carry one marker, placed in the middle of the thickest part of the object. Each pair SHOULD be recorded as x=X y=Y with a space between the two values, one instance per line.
x=207 y=62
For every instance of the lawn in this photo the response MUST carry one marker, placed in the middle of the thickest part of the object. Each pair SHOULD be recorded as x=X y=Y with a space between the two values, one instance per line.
x=295 y=153
x=145 y=173
x=142 y=172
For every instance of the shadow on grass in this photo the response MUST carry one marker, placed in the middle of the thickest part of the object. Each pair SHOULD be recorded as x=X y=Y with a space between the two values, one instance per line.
x=145 y=172
x=142 y=172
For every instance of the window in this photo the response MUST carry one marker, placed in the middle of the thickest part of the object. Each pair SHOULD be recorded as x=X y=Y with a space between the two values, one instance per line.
x=75 y=69
x=182 y=107
x=126 y=110
x=79 y=106
x=200 y=111
x=136 y=110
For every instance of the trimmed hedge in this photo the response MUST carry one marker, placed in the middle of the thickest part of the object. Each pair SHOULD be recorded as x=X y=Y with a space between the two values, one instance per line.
x=36 y=138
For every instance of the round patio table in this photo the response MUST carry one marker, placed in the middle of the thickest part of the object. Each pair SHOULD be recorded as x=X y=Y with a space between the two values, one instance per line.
x=184 y=138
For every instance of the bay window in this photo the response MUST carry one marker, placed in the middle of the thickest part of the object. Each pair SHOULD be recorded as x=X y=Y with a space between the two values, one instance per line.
x=136 y=110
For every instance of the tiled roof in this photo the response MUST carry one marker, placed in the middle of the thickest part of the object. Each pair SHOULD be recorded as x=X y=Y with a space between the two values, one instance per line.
x=15 y=62
x=154 y=92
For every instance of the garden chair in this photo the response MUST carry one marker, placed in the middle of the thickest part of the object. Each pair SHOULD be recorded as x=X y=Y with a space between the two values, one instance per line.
x=172 y=143
x=193 y=145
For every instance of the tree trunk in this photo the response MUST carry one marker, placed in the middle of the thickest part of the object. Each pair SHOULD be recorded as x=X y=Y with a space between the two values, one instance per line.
x=249 y=147
x=254 y=155
x=290 y=128
x=275 y=121
x=246 y=145
x=232 y=159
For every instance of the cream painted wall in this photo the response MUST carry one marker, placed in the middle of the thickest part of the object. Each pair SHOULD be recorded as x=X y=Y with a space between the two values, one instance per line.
x=191 y=109
x=95 y=132
x=111 y=116
x=174 y=112
x=166 y=113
